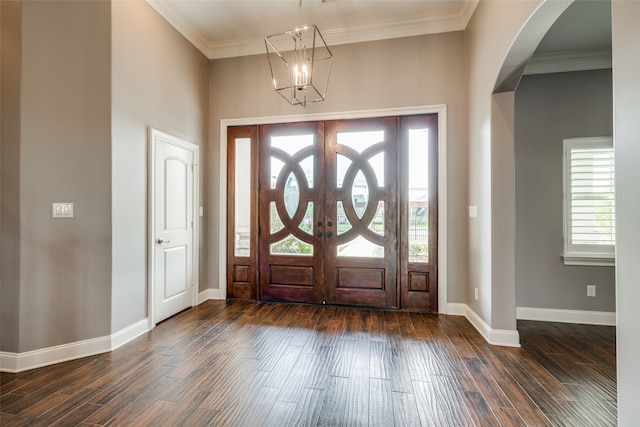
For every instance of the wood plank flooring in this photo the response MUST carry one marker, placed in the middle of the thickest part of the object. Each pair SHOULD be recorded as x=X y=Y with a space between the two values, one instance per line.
x=270 y=364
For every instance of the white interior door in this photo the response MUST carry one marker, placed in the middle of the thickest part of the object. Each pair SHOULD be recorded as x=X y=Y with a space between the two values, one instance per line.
x=173 y=190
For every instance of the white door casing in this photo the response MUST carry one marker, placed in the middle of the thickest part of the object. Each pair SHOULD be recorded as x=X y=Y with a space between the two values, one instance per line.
x=443 y=305
x=172 y=248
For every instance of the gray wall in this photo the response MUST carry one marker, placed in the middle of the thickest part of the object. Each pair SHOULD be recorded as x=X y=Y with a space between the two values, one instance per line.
x=10 y=30
x=61 y=292
x=626 y=111
x=549 y=108
x=488 y=39
x=416 y=71
x=159 y=80
x=75 y=117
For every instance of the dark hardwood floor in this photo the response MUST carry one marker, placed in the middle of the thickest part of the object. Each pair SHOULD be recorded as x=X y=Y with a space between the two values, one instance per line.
x=268 y=364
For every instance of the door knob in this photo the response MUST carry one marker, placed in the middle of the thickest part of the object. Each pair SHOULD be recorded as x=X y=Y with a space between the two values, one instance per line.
x=161 y=240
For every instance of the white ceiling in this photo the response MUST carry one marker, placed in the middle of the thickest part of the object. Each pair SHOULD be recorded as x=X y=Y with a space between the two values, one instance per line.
x=228 y=28
x=585 y=25
x=579 y=40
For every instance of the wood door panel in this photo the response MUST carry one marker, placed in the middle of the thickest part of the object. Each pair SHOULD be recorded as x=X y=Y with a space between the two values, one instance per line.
x=360 y=278
x=361 y=180
x=241 y=273
x=291 y=275
x=418 y=281
x=290 y=182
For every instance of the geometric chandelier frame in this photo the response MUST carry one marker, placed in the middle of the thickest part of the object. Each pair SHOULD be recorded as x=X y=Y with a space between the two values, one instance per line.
x=300 y=63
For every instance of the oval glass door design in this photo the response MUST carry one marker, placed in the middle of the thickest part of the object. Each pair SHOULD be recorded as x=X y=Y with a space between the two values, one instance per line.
x=288 y=206
x=361 y=243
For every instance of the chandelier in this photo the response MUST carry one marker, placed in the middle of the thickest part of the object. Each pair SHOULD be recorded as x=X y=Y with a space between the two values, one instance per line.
x=300 y=63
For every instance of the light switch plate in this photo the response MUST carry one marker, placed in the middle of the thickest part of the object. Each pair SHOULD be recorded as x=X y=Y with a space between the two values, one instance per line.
x=62 y=210
x=473 y=211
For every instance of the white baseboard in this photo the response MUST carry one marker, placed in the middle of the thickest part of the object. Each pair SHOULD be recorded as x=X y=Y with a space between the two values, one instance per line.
x=125 y=335
x=208 y=294
x=18 y=362
x=502 y=337
x=456 y=309
x=606 y=318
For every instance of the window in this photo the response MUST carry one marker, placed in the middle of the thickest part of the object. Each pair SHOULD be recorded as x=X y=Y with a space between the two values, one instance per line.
x=589 y=202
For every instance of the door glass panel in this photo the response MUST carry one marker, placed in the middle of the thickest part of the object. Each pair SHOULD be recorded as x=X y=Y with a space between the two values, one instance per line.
x=291 y=245
x=361 y=247
x=360 y=194
x=291 y=144
x=307 y=166
x=307 y=221
x=343 y=222
x=377 y=223
x=276 y=168
x=360 y=141
x=291 y=195
x=418 y=195
x=276 y=222
x=343 y=164
x=377 y=164
x=242 y=197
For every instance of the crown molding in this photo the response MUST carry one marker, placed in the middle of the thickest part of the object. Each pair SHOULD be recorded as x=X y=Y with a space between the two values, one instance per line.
x=467 y=13
x=174 y=17
x=340 y=36
x=569 y=61
x=336 y=36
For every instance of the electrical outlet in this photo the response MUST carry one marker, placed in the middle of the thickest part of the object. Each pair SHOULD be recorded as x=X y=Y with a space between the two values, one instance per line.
x=62 y=210
x=591 y=290
x=476 y=294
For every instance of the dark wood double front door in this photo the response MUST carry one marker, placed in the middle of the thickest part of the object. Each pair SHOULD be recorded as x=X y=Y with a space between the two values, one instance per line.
x=327 y=212
x=331 y=227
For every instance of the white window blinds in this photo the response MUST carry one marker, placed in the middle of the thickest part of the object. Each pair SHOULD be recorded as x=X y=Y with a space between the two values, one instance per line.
x=589 y=201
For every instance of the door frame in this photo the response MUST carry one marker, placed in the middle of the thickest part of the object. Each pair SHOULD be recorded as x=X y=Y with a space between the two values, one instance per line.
x=153 y=135
x=440 y=109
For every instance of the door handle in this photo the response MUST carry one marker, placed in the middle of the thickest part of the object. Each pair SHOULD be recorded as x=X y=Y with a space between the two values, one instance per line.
x=161 y=240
